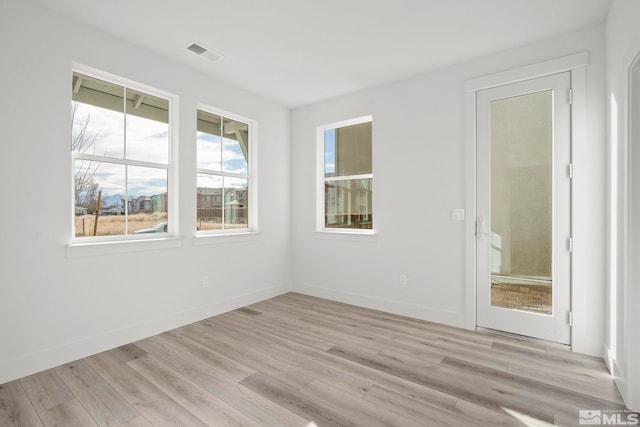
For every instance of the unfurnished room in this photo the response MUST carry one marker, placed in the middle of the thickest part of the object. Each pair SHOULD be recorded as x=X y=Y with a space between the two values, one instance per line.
x=307 y=214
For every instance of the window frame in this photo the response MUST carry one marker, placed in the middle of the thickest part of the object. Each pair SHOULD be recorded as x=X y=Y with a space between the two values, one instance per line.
x=251 y=175
x=321 y=179
x=171 y=166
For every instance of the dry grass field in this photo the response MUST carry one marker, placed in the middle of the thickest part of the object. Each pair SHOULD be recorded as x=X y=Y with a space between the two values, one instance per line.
x=114 y=225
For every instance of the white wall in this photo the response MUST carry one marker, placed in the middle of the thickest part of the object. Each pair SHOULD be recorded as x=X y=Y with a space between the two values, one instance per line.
x=419 y=176
x=55 y=308
x=623 y=278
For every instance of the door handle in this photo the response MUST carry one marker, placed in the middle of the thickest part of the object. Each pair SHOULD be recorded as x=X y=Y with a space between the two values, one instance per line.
x=481 y=230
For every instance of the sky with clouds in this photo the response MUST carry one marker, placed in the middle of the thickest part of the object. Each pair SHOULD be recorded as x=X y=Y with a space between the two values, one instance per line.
x=146 y=140
x=329 y=151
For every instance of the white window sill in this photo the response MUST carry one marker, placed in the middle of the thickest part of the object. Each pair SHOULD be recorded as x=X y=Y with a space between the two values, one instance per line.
x=76 y=250
x=213 y=239
x=347 y=235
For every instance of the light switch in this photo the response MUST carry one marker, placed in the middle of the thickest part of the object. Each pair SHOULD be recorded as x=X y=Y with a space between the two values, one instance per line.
x=457 y=214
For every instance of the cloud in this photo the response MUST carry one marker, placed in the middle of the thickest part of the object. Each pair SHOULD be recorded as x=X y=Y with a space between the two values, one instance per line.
x=146 y=181
x=111 y=179
x=217 y=155
x=146 y=140
x=104 y=135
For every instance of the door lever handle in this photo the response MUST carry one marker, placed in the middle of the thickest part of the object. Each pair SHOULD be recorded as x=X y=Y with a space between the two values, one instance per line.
x=481 y=228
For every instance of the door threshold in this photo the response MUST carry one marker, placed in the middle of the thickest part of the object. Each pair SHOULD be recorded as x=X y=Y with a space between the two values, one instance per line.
x=533 y=340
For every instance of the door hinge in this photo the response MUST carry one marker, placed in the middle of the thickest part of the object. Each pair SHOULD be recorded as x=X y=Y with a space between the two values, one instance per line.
x=570 y=170
x=570 y=244
x=570 y=318
x=570 y=96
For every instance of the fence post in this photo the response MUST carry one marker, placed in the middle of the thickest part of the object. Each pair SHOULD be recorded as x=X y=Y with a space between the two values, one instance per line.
x=95 y=224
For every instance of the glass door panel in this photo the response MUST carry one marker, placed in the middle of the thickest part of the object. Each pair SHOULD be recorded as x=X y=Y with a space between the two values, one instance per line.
x=523 y=206
x=521 y=202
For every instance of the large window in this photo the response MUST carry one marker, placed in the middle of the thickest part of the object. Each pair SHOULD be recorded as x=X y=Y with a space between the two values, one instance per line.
x=223 y=146
x=346 y=176
x=120 y=148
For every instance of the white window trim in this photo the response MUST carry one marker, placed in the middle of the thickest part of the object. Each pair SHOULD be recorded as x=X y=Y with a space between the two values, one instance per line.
x=252 y=230
x=78 y=246
x=78 y=250
x=320 y=179
x=230 y=236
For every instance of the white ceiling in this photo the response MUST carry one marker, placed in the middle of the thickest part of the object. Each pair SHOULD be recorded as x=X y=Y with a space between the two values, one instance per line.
x=297 y=52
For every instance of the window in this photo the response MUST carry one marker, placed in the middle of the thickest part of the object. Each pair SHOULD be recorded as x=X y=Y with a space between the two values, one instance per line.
x=120 y=147
x=223 y=180
x=346 y=176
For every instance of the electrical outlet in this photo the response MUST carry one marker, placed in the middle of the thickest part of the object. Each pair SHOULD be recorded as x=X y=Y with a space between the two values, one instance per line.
x=205 y=281
x=402 y=280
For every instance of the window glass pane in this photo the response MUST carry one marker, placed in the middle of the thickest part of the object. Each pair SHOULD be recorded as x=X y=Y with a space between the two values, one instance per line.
x=209 y=204
x=352 y=150
x=330 y=152
x=147 y=189
x=93 y=179
x=147 y=127
x=97 y=117
x=236 y=203
x=348 y=204
x=209 y=142
x=235 y=148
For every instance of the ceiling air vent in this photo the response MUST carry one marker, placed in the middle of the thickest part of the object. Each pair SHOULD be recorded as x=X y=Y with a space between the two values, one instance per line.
x=204 y=52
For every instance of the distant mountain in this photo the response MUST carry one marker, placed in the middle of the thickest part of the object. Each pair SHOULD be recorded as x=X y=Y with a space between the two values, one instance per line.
x=111 y=201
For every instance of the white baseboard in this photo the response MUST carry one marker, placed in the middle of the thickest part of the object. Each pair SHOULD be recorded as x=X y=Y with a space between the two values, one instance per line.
x=586 y=345
x=51 y=357
x=396 y=307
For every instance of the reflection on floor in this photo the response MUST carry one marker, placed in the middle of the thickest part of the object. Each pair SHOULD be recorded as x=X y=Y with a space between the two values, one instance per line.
x=522 y=297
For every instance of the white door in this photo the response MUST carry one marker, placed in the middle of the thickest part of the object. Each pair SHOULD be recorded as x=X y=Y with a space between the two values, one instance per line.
x=524 y=208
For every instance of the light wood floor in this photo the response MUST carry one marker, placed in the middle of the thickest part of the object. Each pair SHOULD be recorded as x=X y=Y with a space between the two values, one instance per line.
x=293 y=360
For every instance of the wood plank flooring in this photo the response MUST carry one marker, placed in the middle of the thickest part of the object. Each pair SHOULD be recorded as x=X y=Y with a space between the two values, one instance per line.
x=300 y=361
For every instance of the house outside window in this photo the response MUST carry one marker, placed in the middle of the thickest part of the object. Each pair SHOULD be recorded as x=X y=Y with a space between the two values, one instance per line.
x=224 y=145
x=121 y=156
x=345 y=178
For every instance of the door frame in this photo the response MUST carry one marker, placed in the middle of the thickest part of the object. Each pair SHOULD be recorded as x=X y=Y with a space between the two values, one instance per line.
x=576 y=64
x=553 y=326
x=624 y=235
